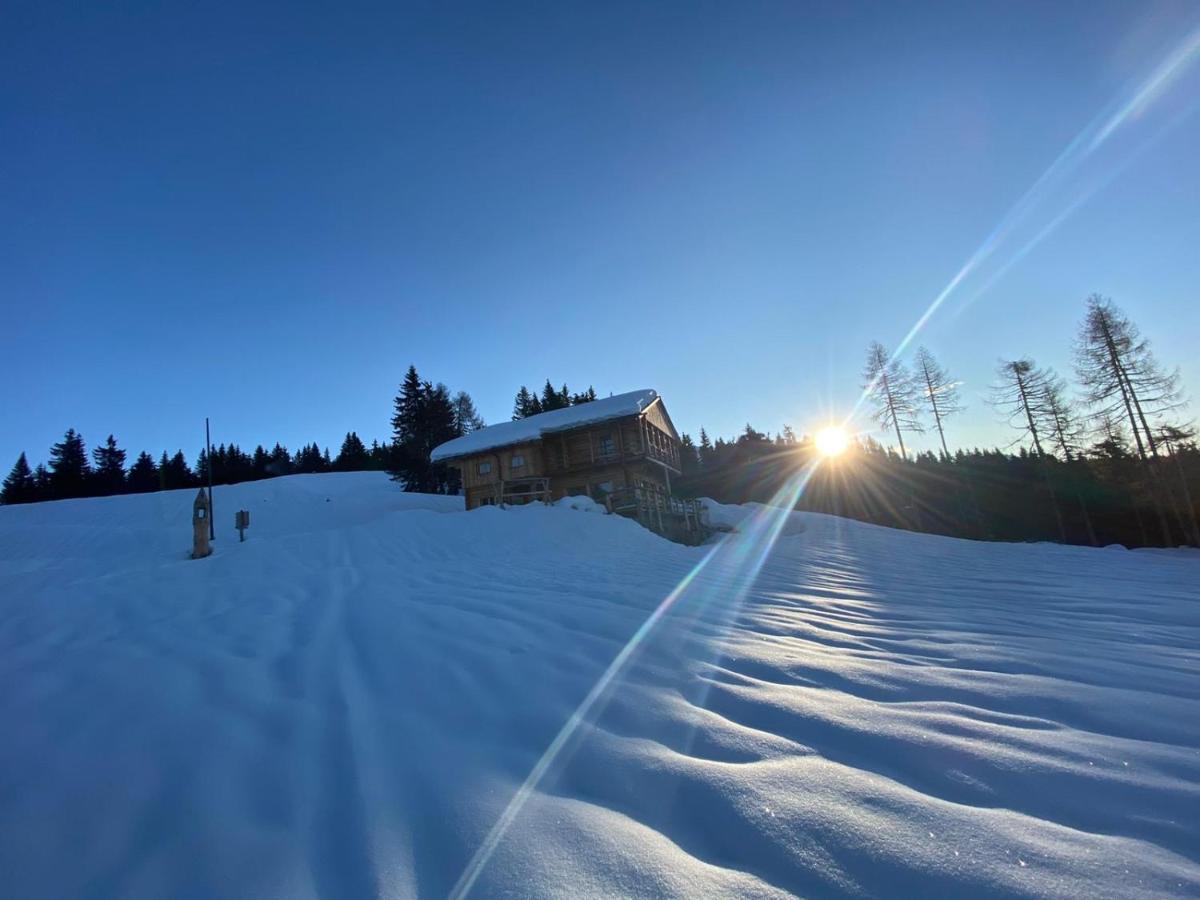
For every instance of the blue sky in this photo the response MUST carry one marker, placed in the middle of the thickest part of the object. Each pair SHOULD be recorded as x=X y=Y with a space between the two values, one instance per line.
x=265 y=214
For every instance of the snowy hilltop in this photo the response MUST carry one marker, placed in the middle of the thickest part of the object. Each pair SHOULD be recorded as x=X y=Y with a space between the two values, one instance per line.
x=378 y=694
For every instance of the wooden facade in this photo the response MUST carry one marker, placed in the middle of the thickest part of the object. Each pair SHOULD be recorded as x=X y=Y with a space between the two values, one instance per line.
x=597 y=459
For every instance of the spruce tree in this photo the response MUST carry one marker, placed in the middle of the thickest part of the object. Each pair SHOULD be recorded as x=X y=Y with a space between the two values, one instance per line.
x=109 y=473
x=69 y=469
x=143 y=475
x=19 y=486
x=689 y=460
x=260 y=463
x=380 y=457
x=353 y=456
x=523 y=404
x=41 y=483
x=705 y=449
x=439 y=425
x=281 y=460
x=552 y=399
x=409 y=460
x=174 y=473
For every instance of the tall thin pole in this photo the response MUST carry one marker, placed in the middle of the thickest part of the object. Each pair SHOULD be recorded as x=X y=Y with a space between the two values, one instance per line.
x=212 y=528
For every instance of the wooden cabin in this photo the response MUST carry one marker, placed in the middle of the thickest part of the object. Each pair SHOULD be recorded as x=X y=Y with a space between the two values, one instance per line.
x=621 y=451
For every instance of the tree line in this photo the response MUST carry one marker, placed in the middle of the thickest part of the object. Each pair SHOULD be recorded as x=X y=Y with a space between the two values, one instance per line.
x=528 y=403
x=1110 y=462
x=72 y=472
x=1113 y=463
x=425 y=414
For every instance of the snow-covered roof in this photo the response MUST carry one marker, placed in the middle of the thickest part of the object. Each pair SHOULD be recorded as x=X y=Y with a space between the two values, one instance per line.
x=533 y=427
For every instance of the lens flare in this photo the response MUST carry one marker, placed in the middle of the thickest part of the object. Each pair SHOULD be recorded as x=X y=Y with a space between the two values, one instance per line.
x=832 y=441
x=739 y=558
x=1058 y=179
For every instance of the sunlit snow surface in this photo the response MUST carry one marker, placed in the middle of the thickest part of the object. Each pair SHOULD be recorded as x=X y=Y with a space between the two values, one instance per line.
x=344 y=705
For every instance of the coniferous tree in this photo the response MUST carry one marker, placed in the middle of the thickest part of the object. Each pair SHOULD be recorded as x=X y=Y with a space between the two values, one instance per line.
x=1180 y=443
x=689 y=460
x=353 y=456
x=379 y=457
x=69 y=469
x=704 y=449
x=466 y=418
x=109 y=472
x=939 y=391
x=143 y=475
x=260 y=463
x=1020 y=394
x=175 y=473
x=281 y=460
x=41 y=481
x=1122 y=377
x=19 y=486
x=1066 y=433
x=552 y=399
x=523 y=404
x=407 y=464
x=893 y=392
x=439 y=424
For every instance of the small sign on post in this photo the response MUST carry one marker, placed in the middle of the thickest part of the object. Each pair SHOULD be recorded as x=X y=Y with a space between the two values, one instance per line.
x=200 y=524
x=241 y=521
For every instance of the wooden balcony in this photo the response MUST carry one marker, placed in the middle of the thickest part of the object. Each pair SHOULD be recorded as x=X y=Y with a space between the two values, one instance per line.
x=679 y=520
x=627 y=442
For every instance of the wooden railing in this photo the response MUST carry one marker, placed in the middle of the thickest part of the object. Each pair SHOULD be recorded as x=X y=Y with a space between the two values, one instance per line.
x=519 y=491
x=561 y=461
x=656 y=509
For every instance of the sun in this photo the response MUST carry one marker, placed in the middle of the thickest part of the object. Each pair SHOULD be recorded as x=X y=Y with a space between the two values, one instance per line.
x=832 y=441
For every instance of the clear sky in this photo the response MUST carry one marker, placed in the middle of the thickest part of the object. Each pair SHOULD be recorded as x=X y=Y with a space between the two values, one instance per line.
x=265 y=213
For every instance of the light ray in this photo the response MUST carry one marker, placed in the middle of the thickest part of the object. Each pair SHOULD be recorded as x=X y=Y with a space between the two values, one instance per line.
x=748 y=550
x=1090 y=139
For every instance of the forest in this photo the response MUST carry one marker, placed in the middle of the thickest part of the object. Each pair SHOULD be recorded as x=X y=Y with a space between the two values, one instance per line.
x=1107 y=460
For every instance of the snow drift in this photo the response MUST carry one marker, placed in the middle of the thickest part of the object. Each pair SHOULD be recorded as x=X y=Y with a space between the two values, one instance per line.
x=348 y=703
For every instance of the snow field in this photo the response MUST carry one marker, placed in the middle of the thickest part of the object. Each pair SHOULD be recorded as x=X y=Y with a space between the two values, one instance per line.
x=344 y=705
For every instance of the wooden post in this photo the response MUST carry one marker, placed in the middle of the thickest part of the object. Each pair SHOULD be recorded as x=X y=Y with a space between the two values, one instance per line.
x=201 y=520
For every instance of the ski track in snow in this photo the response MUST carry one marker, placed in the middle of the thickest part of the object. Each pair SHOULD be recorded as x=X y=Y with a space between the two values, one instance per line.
x=345 y=704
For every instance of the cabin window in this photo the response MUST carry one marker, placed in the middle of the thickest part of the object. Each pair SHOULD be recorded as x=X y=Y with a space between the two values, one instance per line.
x=484 y=468
x=607 y=446
x=518 y=461
x=604 y=487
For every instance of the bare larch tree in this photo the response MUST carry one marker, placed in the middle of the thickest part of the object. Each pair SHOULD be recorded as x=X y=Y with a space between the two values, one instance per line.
x=892 y=392
x=1121 y=377
x=939 y=391
x=1067 y=433
x=1020 y=394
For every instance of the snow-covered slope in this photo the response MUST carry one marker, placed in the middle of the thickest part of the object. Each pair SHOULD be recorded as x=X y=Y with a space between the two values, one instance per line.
x=347 y=704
